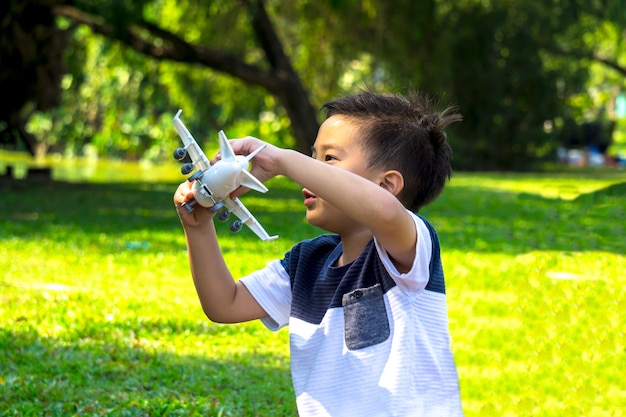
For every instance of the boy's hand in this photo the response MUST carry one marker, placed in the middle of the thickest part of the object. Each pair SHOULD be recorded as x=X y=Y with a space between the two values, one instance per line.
x=199 y=216
x=263 y=164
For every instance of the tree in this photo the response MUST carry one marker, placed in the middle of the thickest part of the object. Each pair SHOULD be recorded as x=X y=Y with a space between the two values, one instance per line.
x=511 y=67
x=31 y=66
x=279 y=78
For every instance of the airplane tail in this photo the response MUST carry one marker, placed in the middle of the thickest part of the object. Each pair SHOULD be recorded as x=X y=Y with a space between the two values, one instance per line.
x=226 y=151
x=227 y=154
x=250 y=181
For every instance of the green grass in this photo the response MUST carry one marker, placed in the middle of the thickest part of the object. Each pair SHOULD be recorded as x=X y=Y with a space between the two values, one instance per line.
x=535 y=267
x=98 y=315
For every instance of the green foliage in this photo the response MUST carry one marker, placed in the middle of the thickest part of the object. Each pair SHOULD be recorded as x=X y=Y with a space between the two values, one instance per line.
x=121 y=103
x=505 y=89
x=118 y=106
x=99 y=315
x=521 y=72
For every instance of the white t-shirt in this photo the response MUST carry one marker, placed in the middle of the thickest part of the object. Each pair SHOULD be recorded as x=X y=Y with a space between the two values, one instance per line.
x=365 y=340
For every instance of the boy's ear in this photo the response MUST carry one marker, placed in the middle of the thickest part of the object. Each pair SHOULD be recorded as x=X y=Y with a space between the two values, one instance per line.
x=392 y=181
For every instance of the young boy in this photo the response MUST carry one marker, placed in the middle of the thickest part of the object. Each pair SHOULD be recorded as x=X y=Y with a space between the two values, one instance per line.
x=366 y=304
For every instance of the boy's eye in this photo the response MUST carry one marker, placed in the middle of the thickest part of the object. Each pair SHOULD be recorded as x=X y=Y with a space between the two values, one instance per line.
x=329 y=158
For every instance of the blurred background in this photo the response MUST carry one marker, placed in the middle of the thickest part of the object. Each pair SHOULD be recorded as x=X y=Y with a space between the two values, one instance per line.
x=540 y=83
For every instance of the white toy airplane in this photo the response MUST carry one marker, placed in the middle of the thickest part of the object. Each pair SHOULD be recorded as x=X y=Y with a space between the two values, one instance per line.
x=212 y=184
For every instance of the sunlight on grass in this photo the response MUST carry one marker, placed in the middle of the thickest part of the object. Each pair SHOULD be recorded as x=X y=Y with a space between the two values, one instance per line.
x=564 y=186
x=528 y=344
x=98 y=314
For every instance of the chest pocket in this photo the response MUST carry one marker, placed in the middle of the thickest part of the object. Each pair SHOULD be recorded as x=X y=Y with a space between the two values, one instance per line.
x=365 y=317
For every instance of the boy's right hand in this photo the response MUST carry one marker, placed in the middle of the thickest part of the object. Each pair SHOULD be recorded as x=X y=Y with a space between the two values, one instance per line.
x=199 y=216
x=263 y=165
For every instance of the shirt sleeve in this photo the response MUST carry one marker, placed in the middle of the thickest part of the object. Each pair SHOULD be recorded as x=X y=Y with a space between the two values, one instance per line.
x=416 y=279
x=271 y=288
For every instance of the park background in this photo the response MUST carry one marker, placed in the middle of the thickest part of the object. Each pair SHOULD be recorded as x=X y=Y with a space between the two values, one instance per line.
x=98 y=315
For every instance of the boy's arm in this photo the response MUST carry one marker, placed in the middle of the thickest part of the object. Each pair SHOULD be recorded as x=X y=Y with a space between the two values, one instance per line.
x=223 y=300
x=369 y=203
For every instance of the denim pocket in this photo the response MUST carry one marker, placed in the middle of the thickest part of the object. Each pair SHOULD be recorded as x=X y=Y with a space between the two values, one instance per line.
x=365 y=317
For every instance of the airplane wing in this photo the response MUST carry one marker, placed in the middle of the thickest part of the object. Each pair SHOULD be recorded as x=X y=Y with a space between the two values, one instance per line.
x=225 y=149
x=199 y=159
x=238 y=209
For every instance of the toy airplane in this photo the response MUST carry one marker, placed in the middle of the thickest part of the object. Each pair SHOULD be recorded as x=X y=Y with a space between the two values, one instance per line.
x=212 y=184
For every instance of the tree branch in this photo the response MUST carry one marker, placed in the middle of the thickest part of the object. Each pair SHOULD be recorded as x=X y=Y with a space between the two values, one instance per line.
x=175 y=48
x=266 y=36
x=281 y=79
x=591 y=56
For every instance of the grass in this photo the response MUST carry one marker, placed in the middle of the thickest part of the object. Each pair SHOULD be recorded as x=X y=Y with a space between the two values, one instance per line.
x=98 y=315
x=535 y=267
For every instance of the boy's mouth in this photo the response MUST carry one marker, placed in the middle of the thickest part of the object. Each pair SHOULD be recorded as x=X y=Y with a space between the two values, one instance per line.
x=309 y=197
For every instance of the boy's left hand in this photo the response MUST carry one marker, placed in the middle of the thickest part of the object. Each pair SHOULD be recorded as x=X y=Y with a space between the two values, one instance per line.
x=199 y=216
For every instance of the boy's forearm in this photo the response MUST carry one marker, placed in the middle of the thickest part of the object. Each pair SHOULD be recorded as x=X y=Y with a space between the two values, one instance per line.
x=213 y=281
x=343 y=189
x=364 y=200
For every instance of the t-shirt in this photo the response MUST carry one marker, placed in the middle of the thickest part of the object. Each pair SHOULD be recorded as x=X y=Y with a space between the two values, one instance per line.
x=365 y=340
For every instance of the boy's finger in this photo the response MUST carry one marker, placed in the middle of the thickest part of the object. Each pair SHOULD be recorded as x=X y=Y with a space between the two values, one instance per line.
x=239 y=191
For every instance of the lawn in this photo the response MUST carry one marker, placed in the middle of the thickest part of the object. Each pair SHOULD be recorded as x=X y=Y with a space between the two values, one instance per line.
x=98 y=315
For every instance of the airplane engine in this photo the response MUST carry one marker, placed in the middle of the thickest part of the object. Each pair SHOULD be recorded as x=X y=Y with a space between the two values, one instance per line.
x=235 y=226
x=180 y=154
x=223 y=215
x=186 y=168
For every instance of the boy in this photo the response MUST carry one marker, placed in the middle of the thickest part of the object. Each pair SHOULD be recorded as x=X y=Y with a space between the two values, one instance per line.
x=366 y=304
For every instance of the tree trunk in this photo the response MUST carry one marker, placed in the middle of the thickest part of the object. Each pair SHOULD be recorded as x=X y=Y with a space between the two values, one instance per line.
x=31 y=67
x=292 y=93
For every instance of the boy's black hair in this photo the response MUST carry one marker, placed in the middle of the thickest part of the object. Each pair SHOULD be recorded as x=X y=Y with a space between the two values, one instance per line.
x=405 y=133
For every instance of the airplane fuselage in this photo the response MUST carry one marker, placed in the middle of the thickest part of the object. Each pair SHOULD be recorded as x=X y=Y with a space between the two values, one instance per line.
x=221 y=179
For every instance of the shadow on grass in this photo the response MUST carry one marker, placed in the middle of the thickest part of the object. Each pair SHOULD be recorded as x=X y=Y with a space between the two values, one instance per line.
x=61 y=210
x=466 y=218
x=52 y=377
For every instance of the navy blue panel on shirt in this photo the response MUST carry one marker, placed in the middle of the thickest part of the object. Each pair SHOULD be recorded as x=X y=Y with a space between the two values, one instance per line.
x=317 y=285
x=436 y=282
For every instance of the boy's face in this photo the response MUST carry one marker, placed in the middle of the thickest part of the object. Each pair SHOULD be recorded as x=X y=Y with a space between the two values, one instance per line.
x=337 y=144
